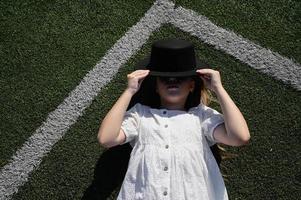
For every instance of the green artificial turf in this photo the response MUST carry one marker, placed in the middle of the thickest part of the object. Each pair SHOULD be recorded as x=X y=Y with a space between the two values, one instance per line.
x=46 y=49
x=275 y=25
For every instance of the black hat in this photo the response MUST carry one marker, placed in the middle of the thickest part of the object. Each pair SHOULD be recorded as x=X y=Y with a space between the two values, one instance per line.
x=173 y=58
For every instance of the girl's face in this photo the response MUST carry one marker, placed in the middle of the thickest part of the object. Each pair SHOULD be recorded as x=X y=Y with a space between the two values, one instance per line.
x=173 y=91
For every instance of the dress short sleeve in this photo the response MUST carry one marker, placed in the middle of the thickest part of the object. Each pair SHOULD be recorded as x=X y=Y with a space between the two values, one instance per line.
x=130 y=123
x=211 y=118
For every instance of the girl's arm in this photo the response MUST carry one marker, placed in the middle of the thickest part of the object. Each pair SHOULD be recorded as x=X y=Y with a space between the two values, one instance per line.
x=235 y=130
x=109 y=133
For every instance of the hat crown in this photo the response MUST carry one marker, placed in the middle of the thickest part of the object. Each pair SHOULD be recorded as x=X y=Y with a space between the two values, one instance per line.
x=172 y=55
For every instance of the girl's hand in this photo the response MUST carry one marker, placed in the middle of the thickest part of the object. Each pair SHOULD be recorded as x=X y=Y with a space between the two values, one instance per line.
x=135 y=79
x=211 y=78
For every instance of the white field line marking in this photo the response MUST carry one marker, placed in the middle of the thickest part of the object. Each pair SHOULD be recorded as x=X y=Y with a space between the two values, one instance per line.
x=262 y=59
x=29 y=156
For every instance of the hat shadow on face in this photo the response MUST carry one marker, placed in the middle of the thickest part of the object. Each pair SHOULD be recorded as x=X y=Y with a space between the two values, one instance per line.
x=148 y=95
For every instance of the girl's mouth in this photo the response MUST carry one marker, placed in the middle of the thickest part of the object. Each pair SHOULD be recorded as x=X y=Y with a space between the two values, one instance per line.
x=173 y=88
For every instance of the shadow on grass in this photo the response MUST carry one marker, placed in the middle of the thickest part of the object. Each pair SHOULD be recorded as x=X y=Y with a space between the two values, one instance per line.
x=109 y=172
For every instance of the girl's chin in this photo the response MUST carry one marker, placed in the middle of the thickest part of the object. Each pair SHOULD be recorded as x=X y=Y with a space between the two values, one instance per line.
x=173 y=99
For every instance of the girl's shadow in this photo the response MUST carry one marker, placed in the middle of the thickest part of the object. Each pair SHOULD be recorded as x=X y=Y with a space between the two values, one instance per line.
x=109 y=172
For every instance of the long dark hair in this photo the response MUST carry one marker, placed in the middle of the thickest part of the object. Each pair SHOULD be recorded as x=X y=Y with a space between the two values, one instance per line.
x=148 y=96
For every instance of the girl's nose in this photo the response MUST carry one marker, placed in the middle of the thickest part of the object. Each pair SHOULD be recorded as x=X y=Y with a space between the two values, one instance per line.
x=172 y=79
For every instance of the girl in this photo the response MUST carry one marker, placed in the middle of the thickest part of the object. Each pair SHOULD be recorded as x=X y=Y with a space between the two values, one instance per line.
x=171 y=129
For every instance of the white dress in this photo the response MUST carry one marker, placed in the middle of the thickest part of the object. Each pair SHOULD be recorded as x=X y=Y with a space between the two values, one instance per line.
x=171 y=157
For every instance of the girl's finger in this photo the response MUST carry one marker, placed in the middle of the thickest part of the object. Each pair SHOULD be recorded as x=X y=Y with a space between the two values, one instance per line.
x=141 y=76
x=207 y=76
x=140 y=72
x=137 y=73
x=204 y=71
x=138 y=76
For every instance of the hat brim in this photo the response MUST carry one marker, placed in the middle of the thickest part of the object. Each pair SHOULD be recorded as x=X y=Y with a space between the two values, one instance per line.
x=142 y=64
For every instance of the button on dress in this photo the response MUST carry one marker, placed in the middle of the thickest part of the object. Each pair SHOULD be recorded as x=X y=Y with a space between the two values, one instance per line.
x=171 y=157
